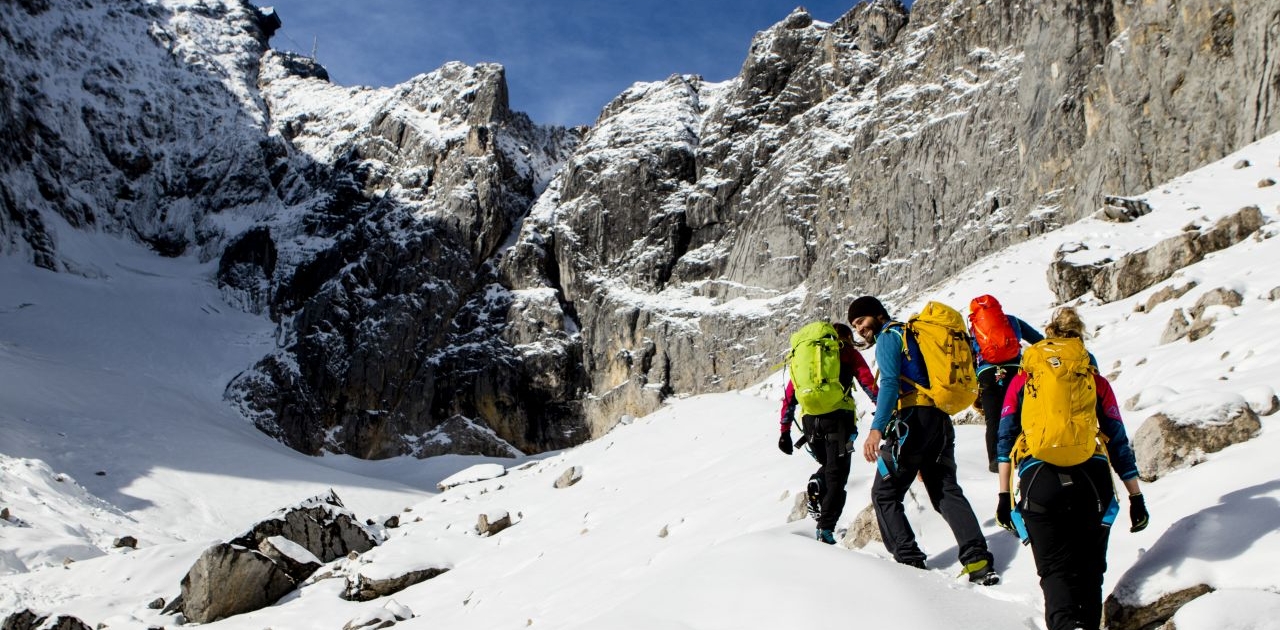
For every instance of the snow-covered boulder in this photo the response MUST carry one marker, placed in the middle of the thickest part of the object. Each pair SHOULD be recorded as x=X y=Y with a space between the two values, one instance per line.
x=1186 y=431
x=28 y=620
x=1135 y=271
x=490 y=523
x=320 y=524
x=294 y=558
x=384 y=617
x=371 y=582
x=1119 y=615
x=570 y=476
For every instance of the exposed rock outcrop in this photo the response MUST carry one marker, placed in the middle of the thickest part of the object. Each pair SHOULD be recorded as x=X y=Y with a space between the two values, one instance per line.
x=26 y=619
x=362 y=588
x=570 y=476
x=1166 y=442
x=229 y=580
x=1120 y=616
x=864 y=530
x=1135 y=271
x=260 y=566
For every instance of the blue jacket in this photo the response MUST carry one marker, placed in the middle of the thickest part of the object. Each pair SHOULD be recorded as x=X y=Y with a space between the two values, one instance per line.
x=897 y=356
x=1021 y=329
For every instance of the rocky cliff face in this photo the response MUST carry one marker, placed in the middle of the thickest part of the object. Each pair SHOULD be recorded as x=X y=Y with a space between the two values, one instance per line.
x=438 y=290
x=698 y=224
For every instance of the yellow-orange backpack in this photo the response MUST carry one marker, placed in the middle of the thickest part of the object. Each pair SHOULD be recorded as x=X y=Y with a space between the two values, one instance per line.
x=1058 y=411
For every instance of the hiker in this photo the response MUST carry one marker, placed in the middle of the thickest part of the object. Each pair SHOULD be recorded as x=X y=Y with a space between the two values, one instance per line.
x=830 y=438
x=921 y=441
x=1066 y=500
x=997 y=350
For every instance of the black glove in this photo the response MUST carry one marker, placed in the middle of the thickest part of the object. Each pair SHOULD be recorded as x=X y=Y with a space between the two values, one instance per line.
x=1004 y=512
x=1138 y=516
x=784 y=442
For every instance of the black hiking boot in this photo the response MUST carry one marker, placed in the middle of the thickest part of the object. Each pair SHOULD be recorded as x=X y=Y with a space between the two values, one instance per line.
x=813 y=499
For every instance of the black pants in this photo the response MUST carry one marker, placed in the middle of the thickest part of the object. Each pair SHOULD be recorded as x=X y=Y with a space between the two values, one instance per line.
x=1063 y=509
x=829 y=435
x=922 y=440
x=991 y=391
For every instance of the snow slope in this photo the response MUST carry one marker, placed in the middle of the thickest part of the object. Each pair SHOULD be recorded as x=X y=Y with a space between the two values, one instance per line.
x=680 y=520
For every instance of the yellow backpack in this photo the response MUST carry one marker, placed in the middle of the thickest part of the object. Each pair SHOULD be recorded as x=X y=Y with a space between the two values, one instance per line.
x=943 y=339
x=1059 y=417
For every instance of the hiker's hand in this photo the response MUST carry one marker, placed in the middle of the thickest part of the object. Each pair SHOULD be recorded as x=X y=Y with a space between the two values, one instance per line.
x=784 y=443
x=871 y=447
x=977 y=404
x=1004 y=512
x=1138 y=516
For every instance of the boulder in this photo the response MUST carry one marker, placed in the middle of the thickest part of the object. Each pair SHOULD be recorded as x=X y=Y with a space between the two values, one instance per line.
x=1123 y=209
x=362 y=587
x=799 y=511
x=321 y=525
x=1164 y=294
x=491 y=523
x=1122 y=616
x=156 y=604
x=864 y=530
x=125 y=541
x=1137 y=270
x=1176 y=439
x=1176 y=328
x=292 y=557
x=26 y=619
x=384 y=617
x=1217 y=297
x=569 y=477
x=228 y=580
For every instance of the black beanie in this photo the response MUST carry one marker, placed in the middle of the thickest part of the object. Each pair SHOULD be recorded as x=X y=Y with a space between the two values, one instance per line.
x=866 y=305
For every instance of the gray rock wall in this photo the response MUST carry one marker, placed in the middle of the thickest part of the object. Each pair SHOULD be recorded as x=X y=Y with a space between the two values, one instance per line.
x=879 y=154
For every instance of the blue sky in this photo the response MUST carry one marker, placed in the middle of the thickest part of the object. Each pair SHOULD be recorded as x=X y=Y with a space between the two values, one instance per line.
x=565 y=59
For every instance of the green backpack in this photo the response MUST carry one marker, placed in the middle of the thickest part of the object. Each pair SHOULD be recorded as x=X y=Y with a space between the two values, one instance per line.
x=815 y=370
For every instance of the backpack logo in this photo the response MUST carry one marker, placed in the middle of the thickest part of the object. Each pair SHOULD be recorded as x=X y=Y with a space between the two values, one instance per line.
x=951 y=384
x=997 y=341
x=1059 y=420
x=814 y=362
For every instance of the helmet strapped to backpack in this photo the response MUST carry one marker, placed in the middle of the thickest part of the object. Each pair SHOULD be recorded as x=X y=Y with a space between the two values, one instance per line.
x=997 y=341
x=815 y=369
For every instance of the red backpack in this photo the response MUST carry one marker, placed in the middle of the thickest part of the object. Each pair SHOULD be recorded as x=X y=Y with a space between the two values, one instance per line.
x=997 y=342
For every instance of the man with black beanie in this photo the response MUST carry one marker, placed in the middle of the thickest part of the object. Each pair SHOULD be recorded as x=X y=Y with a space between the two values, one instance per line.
x=920 y=440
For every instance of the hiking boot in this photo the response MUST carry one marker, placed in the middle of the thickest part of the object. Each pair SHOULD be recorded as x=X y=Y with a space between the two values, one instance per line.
x=917 y=564
x=982 y=573
x=826 y=536
x=813 y=499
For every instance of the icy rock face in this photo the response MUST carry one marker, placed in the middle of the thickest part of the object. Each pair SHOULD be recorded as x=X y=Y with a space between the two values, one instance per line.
x=132 y=118
x=400 y=337
x=697 y=224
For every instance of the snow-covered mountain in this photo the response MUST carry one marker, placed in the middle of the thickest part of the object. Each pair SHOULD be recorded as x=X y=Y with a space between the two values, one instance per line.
x=446 y=275
x=680 y=519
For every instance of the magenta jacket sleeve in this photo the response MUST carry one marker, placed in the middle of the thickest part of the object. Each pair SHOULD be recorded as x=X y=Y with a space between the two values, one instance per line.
x=788 y=407
x=862 y=372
